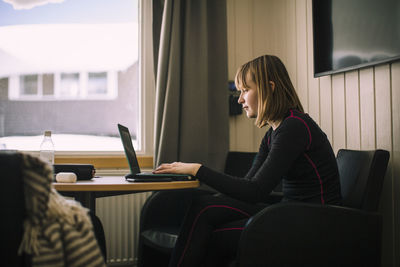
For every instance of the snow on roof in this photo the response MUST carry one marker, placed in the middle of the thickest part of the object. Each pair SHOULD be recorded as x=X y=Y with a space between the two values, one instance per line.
x=48 y=48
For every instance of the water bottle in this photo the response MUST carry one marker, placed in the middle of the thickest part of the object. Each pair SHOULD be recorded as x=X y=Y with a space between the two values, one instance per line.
x=47 y=148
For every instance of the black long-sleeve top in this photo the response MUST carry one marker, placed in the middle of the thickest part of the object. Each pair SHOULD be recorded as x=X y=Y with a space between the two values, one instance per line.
x=298 y=153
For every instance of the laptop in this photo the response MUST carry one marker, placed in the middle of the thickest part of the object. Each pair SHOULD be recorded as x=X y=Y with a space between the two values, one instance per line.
x=136 y=175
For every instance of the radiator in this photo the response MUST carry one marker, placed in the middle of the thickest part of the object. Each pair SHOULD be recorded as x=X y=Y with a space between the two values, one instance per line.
x=120 y=216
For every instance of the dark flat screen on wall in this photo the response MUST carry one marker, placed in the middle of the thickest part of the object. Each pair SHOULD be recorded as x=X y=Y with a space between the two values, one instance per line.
x=352 y=34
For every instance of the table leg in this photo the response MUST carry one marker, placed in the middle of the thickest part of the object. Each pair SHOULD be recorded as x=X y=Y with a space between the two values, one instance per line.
x=87 y=199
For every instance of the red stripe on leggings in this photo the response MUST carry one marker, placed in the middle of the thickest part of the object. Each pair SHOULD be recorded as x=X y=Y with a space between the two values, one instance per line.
x=228 y=229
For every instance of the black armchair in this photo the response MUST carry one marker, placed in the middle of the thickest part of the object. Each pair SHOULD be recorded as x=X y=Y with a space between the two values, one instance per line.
x=13 y=210
x=298 y=234
x=288 y=234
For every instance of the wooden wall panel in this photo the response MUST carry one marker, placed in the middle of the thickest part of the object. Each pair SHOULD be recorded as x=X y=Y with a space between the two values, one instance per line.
x=383 y=110
x=367 y=109
x=302 y=54
x=325 y=92
x=352 y=110
x=289 y=57
x=383 y=126
x=313 y=83
x=262 y=40
x=276 y=34
x=338 y=111
x=395 y=156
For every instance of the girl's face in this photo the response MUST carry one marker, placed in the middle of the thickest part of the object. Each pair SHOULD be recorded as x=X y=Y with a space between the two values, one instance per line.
x=249 y=98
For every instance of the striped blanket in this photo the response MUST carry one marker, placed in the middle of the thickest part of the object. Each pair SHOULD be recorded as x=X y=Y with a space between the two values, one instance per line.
x=57 y=231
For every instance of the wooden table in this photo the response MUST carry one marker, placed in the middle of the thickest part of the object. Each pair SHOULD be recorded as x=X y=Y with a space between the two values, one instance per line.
x=86 y=192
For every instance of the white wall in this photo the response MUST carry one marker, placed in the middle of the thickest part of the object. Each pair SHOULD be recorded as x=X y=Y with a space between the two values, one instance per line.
x=357 y=110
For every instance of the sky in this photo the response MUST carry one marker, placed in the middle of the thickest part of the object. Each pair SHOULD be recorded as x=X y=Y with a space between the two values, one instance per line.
x=71 y=11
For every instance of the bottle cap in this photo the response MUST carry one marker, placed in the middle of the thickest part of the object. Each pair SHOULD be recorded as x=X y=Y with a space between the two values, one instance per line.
x=47 y=133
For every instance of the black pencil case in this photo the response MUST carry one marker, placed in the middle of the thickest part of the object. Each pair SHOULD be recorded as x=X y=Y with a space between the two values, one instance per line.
x=82 y=171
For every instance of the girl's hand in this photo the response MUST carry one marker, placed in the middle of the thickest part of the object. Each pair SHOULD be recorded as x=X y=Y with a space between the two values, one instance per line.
x=178 y=168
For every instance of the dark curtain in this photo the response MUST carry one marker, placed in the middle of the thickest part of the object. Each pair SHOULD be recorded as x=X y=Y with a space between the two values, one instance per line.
x=191 y=82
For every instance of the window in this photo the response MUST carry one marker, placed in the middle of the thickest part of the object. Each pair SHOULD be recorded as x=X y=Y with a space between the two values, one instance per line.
x=97 y=84
x=75 y=68
x=29 y=85
x=69 y=85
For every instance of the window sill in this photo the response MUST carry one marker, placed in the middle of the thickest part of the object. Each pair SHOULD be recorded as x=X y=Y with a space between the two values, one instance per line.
x=105 y=162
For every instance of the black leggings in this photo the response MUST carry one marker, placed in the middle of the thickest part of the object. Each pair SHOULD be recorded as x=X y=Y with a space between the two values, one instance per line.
x=211 y=220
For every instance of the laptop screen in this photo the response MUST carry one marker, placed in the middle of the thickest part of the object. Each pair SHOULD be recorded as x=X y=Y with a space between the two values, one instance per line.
x=128 y=148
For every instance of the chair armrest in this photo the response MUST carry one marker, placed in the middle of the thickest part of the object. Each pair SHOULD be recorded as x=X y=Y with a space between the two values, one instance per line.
x=274 y=197
x=302 y=234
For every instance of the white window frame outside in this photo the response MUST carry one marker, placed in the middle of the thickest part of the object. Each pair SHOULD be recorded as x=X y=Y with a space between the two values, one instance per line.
x=146 y=80
x=14 y=92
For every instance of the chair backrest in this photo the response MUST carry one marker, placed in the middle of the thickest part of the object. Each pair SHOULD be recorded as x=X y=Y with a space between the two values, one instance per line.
x=361 y=177
x=239 y=163
x=12 y=209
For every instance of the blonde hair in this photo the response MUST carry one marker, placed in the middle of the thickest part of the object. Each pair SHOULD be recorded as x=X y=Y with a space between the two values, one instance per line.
x=273 y=104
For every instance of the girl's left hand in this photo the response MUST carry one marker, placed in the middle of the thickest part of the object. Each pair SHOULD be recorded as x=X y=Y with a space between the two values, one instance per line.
x=178 y=168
